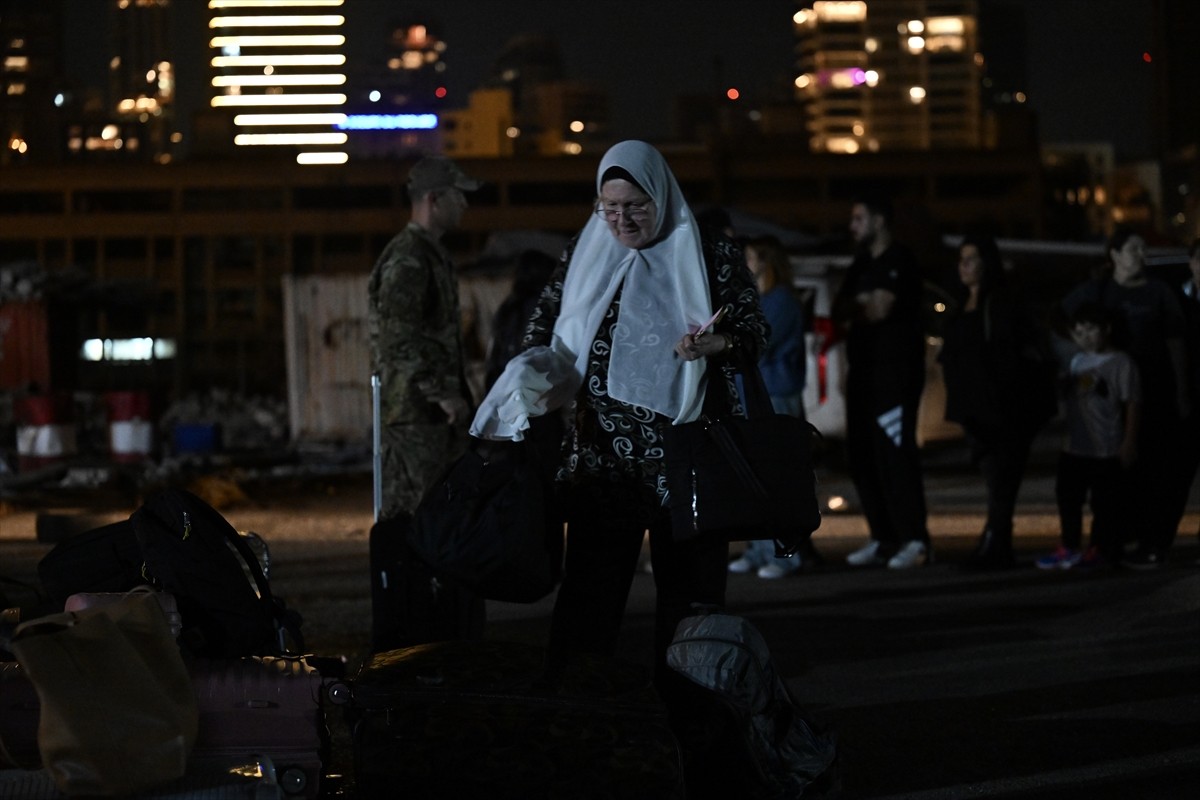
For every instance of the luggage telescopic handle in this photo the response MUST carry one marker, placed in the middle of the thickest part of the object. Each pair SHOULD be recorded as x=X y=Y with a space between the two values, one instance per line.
x=376 y=445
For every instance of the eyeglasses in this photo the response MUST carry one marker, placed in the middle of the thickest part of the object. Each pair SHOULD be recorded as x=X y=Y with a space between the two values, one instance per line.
x=636 y=212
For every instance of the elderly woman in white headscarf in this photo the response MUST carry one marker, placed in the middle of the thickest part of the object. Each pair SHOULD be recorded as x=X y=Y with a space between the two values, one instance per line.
x=617 y=331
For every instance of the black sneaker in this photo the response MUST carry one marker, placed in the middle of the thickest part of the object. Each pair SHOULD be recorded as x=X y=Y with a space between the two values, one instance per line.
x=1145 y=559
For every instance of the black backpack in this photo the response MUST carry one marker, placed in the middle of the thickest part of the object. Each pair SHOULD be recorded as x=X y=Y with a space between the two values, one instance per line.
x=783 y=754
x=180 y=544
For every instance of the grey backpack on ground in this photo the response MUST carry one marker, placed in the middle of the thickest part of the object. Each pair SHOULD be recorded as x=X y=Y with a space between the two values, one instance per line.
x=728 y=656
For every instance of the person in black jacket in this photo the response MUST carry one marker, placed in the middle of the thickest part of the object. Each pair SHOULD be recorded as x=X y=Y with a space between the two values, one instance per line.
x=878 y=310
x=999 y=387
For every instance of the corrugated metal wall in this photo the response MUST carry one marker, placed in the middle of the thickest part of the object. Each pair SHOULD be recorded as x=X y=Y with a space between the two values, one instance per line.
x=328 y=357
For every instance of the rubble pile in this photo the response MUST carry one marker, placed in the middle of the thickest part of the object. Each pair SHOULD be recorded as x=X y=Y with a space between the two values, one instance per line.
x=244 y=422
x=23 y=281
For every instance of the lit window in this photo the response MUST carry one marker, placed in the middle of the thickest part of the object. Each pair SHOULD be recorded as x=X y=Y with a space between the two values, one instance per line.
x=143 y=348
x=16 y=63
x=938 y=26
x=840 y=10
x=945 y=43
x=842 y=144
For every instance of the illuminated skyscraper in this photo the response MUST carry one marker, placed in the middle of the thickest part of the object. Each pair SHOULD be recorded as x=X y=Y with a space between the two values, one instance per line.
x=279 y=67
x=141 y=81
x=889 y=74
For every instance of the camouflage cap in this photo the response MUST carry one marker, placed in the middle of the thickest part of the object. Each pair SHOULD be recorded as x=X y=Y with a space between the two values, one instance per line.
x=438 y=172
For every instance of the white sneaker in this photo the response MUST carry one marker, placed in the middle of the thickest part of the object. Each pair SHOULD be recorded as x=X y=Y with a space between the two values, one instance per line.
x=913 y=554
x=742 y=565
x=865 y=556
x=774 y=571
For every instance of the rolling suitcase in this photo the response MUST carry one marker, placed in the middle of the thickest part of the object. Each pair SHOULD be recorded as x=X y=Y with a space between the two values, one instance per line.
x=484 y=719
x=262 y=707
x=207 y=779
x=252 y=711
x=410 y=604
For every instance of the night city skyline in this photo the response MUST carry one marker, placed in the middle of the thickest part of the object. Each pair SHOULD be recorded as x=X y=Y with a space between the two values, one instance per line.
x=1088 y=80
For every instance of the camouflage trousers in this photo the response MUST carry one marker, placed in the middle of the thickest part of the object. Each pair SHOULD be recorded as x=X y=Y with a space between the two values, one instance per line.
x=412 y=458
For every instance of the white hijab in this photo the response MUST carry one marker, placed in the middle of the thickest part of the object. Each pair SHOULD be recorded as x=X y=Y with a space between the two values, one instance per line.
x=665 y=295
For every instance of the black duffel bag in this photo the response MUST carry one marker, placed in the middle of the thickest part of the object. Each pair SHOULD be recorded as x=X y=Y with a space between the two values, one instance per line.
x=491 y=523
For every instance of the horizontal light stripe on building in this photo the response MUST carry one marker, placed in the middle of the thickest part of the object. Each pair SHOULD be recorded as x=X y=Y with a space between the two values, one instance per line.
x=246 y=120
x=299 y=40
x=280 y=21
x=332 y=79
x=272 y=3
x=255 y=139
x=280 y=60
x=279 y=100
x=322 y=158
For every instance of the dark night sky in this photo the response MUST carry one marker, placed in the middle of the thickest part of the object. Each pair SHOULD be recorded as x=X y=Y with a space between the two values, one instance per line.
x=1086 y=77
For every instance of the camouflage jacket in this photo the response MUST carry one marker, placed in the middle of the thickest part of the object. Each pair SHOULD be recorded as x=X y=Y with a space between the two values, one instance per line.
x=413 y=323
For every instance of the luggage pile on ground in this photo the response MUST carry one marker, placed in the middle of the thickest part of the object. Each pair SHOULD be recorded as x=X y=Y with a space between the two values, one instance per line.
x=161 y=665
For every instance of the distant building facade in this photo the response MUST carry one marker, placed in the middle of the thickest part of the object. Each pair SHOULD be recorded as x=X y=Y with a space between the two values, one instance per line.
x=30 y=82
x=278 y=71
x=885 y=75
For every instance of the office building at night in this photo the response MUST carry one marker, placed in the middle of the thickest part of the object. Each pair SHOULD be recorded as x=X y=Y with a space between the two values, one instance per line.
x=31 y=102
x=279 y=68
x=396 y=100
x=141 y=85
x=889 y=75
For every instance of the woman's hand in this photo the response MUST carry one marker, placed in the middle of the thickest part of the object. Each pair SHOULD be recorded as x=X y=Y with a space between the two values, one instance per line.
x=693 y=346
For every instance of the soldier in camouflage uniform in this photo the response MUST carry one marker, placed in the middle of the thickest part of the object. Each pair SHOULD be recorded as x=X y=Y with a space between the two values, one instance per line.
x=416 y=345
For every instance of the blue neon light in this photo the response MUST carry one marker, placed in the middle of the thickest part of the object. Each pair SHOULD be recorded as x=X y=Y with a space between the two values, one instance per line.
x=389 y=122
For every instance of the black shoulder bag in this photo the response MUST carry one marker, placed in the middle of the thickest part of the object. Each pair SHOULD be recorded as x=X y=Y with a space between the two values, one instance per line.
x=742 y=478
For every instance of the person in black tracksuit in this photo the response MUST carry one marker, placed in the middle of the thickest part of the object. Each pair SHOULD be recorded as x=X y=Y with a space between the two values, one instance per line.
x=878 y=310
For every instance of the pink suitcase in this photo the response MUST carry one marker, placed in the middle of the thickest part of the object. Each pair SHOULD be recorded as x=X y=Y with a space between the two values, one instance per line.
x=262 y=706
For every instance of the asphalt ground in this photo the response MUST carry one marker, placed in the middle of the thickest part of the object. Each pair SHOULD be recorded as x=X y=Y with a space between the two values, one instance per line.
x=938 y=683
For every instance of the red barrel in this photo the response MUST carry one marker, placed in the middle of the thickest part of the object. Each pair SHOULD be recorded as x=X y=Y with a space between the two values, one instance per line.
x=130 y=429
x=45 y=430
